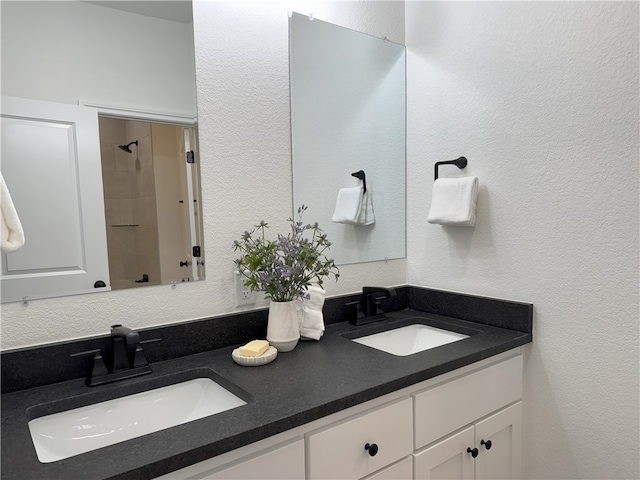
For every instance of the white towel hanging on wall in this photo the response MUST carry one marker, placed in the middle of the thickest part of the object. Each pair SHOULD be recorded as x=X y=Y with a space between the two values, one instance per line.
x=453 y=201
x=367 y=216
x=348 y=205
x=353 y=207
x=11 y=228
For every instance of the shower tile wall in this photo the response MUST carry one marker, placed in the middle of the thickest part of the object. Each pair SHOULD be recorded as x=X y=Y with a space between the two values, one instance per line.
x=130 y=206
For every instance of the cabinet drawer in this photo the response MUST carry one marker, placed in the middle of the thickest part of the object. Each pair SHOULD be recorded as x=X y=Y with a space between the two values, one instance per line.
x=338 y=451
x=461 y=401
x=283 y=462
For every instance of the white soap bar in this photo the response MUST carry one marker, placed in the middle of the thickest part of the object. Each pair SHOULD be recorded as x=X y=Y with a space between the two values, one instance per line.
x=254 y=348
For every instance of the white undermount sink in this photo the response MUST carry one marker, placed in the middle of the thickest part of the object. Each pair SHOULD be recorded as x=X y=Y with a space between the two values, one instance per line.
x=411 y=339
x=65 y=434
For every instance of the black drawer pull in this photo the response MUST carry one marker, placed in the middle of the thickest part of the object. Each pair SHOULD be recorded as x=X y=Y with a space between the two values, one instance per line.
x=486 y=444
x=372 y=449
x=473 y=452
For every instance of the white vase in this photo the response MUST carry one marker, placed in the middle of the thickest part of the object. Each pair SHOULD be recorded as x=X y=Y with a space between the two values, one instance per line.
x=283 y=327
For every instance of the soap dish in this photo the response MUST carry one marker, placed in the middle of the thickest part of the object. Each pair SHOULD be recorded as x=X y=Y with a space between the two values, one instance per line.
x=267 y=357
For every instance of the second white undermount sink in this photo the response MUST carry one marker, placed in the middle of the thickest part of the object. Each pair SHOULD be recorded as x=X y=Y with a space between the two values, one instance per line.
x=411 y=339
x=72 y=432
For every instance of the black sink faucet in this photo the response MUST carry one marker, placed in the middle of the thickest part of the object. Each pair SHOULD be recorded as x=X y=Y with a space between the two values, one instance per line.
x=369 y=307
x=126 y=359
x=123 y=346
x=372 y=296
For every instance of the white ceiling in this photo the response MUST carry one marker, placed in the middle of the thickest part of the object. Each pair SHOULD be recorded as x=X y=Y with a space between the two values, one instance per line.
x=174 y=10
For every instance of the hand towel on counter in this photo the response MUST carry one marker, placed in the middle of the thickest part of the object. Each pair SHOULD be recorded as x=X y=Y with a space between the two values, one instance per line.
x=312 y=323
x=453 y=201
x=354 y=207
x=11 y=229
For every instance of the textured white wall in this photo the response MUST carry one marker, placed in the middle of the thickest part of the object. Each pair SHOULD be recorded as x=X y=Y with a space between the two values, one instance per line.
x=243 y=108
x=542 y=98
x=69 y=51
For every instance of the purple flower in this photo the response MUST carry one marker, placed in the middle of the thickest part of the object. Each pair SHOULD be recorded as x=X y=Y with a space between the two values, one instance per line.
x=284 y=268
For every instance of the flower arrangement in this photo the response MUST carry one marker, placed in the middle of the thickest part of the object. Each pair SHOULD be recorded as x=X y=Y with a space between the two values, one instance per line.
x=285 y=267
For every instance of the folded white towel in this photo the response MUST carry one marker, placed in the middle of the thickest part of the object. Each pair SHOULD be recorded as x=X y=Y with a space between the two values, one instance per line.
x=366 y=217
x=11 y=229
x=453 y=201
x=354 y=207
x=312 y=321
x=348 y=205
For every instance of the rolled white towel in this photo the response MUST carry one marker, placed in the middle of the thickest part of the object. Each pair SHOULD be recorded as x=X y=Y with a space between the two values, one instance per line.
x=348 y=205
x=453 y=201
x=11 y=228
x=312 y=323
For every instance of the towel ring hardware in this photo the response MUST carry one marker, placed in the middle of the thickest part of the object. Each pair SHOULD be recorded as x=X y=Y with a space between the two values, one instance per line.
x=460 y=162
x=361 y=175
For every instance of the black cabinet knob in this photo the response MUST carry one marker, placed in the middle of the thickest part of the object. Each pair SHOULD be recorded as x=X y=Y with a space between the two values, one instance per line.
x=372 y=449
x=184 y=264
x=486 y=444
x=473 y=452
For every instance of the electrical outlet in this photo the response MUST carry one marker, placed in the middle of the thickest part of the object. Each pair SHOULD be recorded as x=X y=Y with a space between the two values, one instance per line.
x=244 y=295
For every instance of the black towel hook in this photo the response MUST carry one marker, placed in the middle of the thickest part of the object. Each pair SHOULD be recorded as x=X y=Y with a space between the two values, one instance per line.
x=460 y=162
x=361 y=175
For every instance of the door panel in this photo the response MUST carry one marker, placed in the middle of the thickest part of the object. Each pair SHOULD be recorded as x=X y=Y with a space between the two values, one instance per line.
x=51 y=151
x=447 y=459
x=503 y=430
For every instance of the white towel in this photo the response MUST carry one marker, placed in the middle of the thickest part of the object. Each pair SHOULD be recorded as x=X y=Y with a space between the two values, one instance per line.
x=453 y=201
x=11 y=229
x=366 y=217
x=312 y=323
x=354 y=207
x=348 y=205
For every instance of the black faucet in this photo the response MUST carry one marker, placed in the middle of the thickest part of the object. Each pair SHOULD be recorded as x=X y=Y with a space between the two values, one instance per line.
x=123 y=346
x=369 y=308
x=127 y=359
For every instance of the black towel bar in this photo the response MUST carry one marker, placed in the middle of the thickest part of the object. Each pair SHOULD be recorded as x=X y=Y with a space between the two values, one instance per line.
x=458 y=162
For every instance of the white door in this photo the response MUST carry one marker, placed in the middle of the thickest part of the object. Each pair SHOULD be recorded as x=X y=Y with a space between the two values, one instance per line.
x=447 y=459
x=500 y=458
x=51 y=164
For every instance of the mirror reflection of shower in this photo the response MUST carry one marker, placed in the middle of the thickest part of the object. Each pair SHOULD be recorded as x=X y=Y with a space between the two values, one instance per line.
x=152 y=207
x=126 y=147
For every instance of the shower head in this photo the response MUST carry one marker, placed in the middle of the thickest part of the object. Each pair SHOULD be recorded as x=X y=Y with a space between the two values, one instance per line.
x=126 y=147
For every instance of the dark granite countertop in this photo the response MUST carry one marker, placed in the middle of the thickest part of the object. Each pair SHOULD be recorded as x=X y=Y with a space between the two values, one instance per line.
x=314 y=380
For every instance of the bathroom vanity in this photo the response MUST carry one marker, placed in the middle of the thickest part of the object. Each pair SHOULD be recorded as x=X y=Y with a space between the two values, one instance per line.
x=328 y=409
x=451 y=426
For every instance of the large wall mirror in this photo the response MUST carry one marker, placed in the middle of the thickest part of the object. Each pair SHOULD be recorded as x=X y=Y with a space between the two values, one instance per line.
x=347 y=116
x=99 y=146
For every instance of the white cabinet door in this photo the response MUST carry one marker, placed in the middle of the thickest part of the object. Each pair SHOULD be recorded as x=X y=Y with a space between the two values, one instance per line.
x=403 y=470
x=498 y=442
x=500 y=459
x=51 y=164
x=447 y=459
